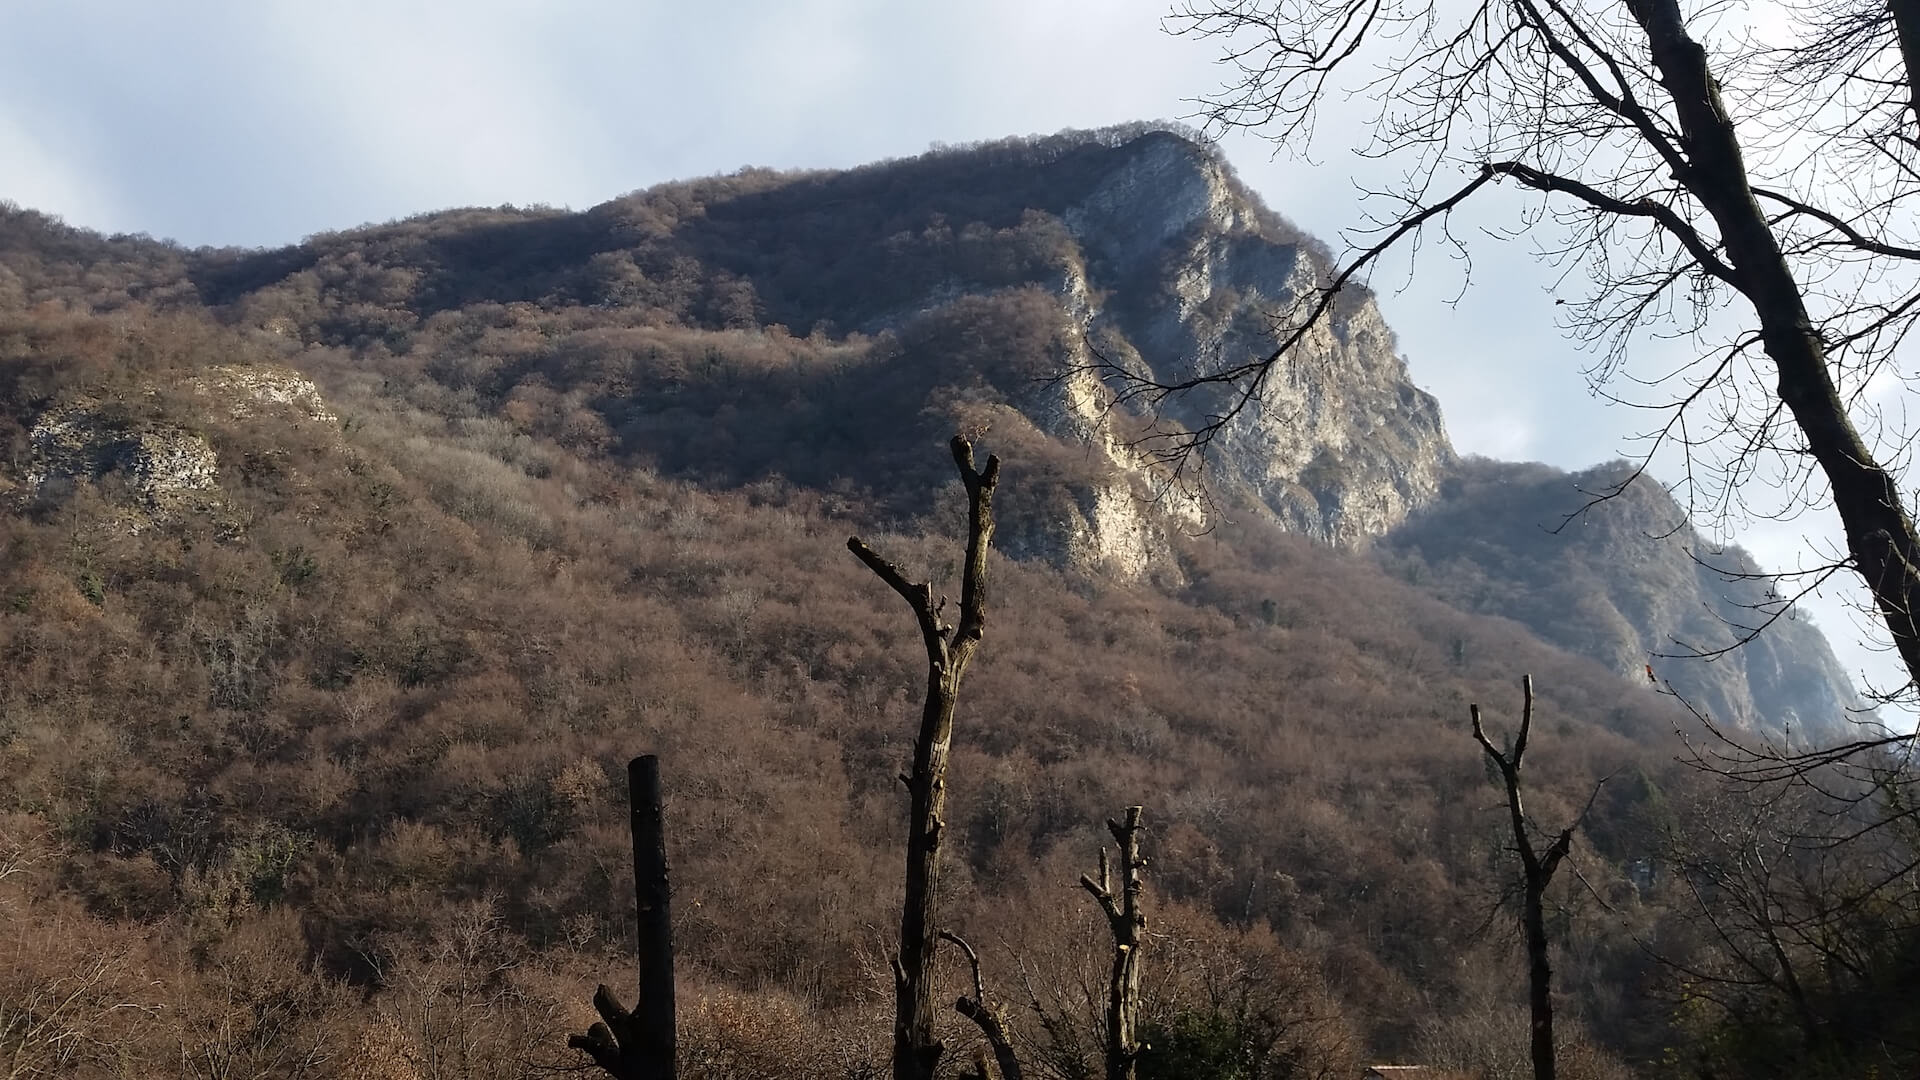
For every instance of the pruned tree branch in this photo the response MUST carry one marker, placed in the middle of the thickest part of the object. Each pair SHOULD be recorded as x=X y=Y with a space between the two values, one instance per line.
x=990 y=1018
x=1537 y=870
x=642 y=1044
x=1127 y=921
x=618 y=1043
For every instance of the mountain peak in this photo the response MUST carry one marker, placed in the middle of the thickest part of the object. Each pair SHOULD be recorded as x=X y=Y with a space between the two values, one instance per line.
x=1627 y=581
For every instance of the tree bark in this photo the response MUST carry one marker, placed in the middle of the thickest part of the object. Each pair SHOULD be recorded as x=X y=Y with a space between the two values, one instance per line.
x=639 y=1044
x=1906 y=25
x=1880 y=533
x=654 y=894
x=1540 y=1046
x=916 y=1050
x=1128 y=922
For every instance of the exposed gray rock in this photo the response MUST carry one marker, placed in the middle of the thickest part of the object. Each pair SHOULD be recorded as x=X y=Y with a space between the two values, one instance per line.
x=1181 y=276
x=1629 y=584
x=246 y=389
x=167 y=469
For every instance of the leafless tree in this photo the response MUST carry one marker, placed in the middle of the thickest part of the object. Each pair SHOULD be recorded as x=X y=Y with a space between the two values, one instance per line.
x=1537 y=868
x=1127 y=921
x=1706 y=168
x=1783 y=931
x=1869 y=785
x=916 y=1049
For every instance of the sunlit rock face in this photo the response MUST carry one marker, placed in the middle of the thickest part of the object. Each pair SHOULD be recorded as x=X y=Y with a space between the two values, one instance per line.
x=1180 y=273
x=244 y=390
x=166 y=469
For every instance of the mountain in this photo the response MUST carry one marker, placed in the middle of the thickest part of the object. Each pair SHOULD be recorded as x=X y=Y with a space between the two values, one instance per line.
x=1626 y=581
x=826 y=327
x=342 y=579
x=968 y=288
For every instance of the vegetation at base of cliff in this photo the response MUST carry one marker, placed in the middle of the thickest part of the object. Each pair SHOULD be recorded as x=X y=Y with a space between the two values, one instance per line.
x=402 y=695
x=329 y=785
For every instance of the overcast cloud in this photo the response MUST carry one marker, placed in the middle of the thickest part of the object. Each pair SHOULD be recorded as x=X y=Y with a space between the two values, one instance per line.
x=258 y=123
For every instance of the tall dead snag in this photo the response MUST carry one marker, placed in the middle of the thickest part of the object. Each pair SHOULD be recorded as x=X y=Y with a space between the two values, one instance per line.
x=640 y=1044
x=1537 y=868
x=990 y=1018
x=1128 y=922
x=915 y=1049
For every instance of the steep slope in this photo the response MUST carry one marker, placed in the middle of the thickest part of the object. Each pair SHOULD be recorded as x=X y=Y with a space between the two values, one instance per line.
x=1628 y=583
x=1341 y=445
x=823 y=328
x=376 y=688
x=1136 y=243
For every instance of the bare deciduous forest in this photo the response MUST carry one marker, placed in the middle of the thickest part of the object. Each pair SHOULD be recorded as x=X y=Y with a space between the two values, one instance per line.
x=317 y=769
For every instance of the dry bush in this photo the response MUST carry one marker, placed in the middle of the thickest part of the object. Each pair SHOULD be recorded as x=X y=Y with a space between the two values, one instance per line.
x=1483 y=1032
x=258 y=1008
x=471 y=1003
x=732 y=1034
x=75 y=998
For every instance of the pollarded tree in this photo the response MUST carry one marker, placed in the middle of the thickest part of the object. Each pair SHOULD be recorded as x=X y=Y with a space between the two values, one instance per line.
x=950 y=647
x=1755 y=168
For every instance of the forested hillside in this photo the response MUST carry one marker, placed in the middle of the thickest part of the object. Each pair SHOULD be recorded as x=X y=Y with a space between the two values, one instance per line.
x=711 y=328
x=341 y=582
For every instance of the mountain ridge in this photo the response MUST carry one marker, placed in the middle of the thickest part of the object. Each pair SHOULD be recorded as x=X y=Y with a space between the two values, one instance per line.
x=967 y=289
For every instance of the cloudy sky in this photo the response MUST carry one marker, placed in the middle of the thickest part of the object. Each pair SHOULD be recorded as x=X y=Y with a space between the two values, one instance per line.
x=255 y=122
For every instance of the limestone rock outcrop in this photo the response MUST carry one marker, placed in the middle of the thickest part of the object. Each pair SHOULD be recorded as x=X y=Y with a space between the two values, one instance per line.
x=157 y=469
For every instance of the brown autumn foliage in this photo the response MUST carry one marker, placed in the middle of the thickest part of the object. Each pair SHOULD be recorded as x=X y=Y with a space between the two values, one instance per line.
x=323 y=778
x=375 y=732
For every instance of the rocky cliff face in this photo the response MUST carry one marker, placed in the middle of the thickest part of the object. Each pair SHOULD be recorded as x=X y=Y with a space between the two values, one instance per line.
x=1339 y=445
x=156 y=469
x=1627 y=583
x=1170 y=270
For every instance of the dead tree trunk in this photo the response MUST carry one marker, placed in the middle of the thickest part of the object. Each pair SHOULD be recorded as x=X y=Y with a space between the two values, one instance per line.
x=916 y=1052
x=1537 y=869
x=640 y=1044
x=1128 y=921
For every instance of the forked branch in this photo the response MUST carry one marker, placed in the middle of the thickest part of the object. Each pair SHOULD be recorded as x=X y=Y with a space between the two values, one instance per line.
x=989 y=1017
x=916 y=1051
